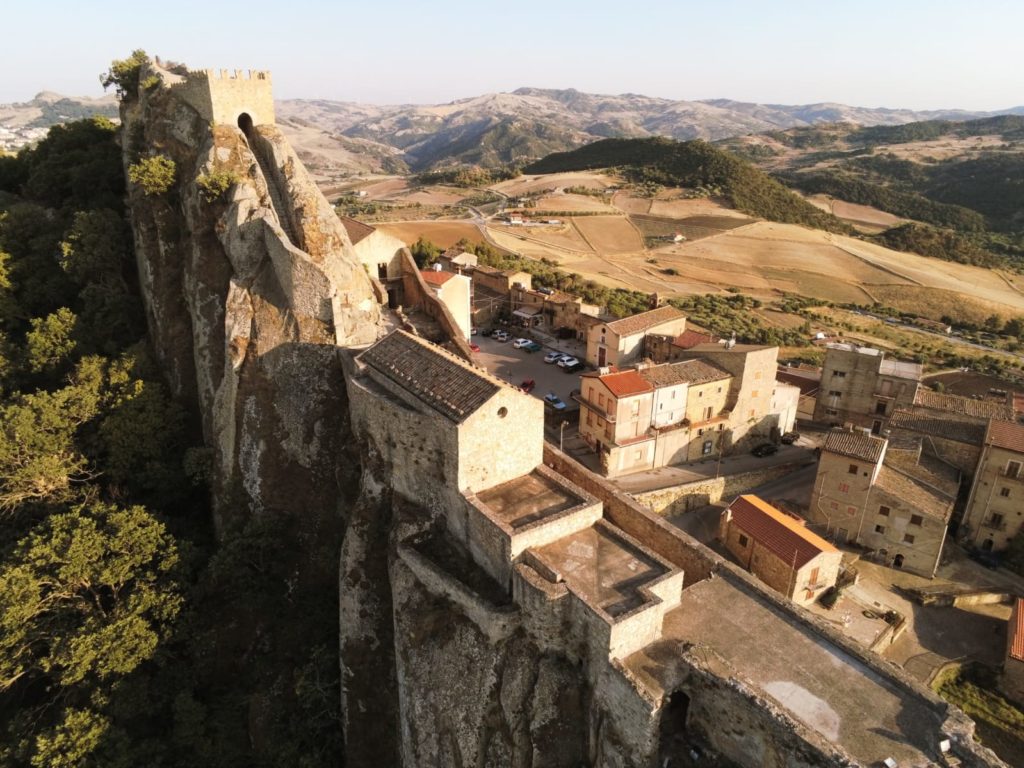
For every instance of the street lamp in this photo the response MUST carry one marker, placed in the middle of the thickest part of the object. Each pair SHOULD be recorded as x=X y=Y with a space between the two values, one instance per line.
x=561 y=432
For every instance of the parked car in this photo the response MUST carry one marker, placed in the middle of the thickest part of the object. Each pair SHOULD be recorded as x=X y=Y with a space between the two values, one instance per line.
x=572 y=368
x=520 y=343
x=765 y=449
x=472 y=331
x=554 y=401
x=566 y=361
x=987 y=558
x=485 y=332
x=474 y=346
x=553 y=357
x=533 y=346
x=528 y=385
x=501 y=336
x=790 y=437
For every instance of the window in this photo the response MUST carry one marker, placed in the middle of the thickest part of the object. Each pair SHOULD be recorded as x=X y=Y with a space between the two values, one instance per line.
x=879 y=529
x=1013 y=469
x=839 y=374
x=757 y=374
x=853 y=469
x=851 y=511
x=743 y=540
x=639 y=455
x=880 y=407
x=719 y=390
x=700 y=393
x=834 y=505
x=634 y=408
x=708 y=412
x=673 y=394
x=700 y=432
x=1004 y=492
x=590 y=418
x=755 y=393
x=908 y=538
x=706 y=448
x=916 y=519
x=835 y=393
x=600 y=399
x=844 y=487
x=883 y=511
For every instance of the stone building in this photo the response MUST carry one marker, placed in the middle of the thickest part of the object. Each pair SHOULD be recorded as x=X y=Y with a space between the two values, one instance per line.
x=995 y=508
x=621 y=342
x=779 y=549
x=1012 y=679
x=654 y=415
x=860 y=386
x=454 y=292
x=893 y=500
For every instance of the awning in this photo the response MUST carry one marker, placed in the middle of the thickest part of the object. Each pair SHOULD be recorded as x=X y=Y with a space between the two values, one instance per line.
x=527 y=313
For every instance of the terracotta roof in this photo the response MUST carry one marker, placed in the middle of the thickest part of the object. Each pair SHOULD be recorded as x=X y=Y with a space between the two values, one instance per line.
x=1006 y=434
x=965 y=406
x=627 y=326
x=686 y=372
x=1016 y=631
x=626 y=383
x=785 y=536
x=946 y=426
x=856 y=445
x=431 y=277
x=433 y=375
x=688 y=339
x=1017 y=399
x=356 y=229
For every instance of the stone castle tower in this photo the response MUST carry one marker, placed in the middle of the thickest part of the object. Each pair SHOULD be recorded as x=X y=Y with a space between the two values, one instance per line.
x=224 y=96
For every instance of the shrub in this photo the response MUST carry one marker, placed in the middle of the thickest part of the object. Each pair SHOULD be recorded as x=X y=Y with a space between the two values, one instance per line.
x=213 y=185
x=154 y=174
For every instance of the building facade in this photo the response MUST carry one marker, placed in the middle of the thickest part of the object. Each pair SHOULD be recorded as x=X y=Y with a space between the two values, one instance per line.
x=779 y=549
x=995 y=508
x=859 y=386
x=621 y=342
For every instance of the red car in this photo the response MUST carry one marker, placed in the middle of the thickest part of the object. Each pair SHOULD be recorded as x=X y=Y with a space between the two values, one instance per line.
x=528 y=385
x=474 y=347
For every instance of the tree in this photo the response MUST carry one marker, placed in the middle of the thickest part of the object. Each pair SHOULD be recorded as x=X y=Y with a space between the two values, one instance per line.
x=154 y=174
x=992 y=323
x=95 y=249
x=1014 y=327
x=124 y=73
x=51 y=341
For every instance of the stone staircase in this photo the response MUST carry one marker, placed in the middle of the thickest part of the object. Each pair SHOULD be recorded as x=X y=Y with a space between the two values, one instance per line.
x=277 y=198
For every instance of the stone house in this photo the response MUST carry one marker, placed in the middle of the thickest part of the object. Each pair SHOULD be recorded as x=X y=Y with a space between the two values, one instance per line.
x=652 y=416
x=458 y=261
x=454 y=292
x=995 y=508
x=779 y=549
x=944 y=435
x=667 y=349
x=893 y=500
x=621 y=342
x=860 y=386
x=1012 y=679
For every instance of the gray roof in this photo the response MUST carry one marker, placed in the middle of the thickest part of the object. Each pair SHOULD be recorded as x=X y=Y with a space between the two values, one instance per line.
x=686 y=372
x=856 y=445
x=945 y=426
x=901 y=369
x=965 y=406
x=628 y=326
x=433 y=375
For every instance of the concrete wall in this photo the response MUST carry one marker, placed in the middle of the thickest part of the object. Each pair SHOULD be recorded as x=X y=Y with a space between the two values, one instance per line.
x=455 y=294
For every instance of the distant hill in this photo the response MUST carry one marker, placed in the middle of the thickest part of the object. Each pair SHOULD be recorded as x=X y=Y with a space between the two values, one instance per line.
x=503 y=128
x=697 y=165
x=962 y=182
x=48 y=108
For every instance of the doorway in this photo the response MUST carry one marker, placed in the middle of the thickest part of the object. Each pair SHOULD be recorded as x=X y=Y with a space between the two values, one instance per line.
x=897 y=561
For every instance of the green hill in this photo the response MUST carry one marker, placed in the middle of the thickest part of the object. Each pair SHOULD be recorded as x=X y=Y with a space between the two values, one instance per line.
x=694 y=164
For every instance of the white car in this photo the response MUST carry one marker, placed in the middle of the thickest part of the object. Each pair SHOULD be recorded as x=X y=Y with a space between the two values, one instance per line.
x=520 y=343
x=566 y=361
x=500 y=336
x=553 y=357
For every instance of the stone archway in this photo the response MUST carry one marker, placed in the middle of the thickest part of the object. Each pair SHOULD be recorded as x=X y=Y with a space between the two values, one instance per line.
x=245 y=123
x=673 y=742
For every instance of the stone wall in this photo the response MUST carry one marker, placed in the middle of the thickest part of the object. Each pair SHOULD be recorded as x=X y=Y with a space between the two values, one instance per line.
x=417 y=295
x=220 y=96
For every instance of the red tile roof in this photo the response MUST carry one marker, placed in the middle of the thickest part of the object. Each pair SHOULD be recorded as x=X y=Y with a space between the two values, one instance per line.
x=1016 y=631
x=626 y=383
x=356 y=229
x=1006 y=434
x=688 y=339
x=966 y=406
x=430 y=277
x=785 y=536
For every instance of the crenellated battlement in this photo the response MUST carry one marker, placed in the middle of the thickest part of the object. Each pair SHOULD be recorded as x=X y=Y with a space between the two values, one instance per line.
x=223 y=95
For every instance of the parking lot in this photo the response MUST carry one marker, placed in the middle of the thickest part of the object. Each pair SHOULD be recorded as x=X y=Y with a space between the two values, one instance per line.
x=516 y=365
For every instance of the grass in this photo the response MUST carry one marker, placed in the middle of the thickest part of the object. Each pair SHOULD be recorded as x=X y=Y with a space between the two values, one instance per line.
x=1000 y=722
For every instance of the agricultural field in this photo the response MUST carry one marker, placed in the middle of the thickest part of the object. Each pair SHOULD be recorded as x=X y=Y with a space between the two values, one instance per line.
x=551 y=181
x=573 y=203
x=609 y=234
x=864 y=218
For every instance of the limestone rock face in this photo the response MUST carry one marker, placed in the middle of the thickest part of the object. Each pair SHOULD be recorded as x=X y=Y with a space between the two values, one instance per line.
x=248 y=293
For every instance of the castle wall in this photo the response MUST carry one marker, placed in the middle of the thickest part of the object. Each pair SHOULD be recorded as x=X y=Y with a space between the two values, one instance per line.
x=220 y=96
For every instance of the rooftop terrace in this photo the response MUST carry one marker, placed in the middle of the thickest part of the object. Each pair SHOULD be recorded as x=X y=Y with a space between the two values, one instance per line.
x=528 y=499
x=801 y=671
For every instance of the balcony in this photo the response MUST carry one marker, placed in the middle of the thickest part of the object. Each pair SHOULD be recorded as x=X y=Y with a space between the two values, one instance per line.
x=599 y=410
x=1015 y=476
x=994 y=524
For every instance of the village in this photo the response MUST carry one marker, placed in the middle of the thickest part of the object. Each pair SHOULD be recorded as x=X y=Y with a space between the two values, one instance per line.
x=853 y=489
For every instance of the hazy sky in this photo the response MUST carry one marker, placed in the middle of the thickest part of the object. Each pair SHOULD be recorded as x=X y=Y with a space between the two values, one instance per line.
x=899 y=53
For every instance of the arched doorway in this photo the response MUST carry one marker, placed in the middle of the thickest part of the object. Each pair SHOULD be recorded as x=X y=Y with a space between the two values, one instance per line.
x=987 y=545
x=245 y=122
x=897 y=561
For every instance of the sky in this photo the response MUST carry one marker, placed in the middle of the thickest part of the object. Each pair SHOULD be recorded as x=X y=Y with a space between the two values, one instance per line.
x=939 y=54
